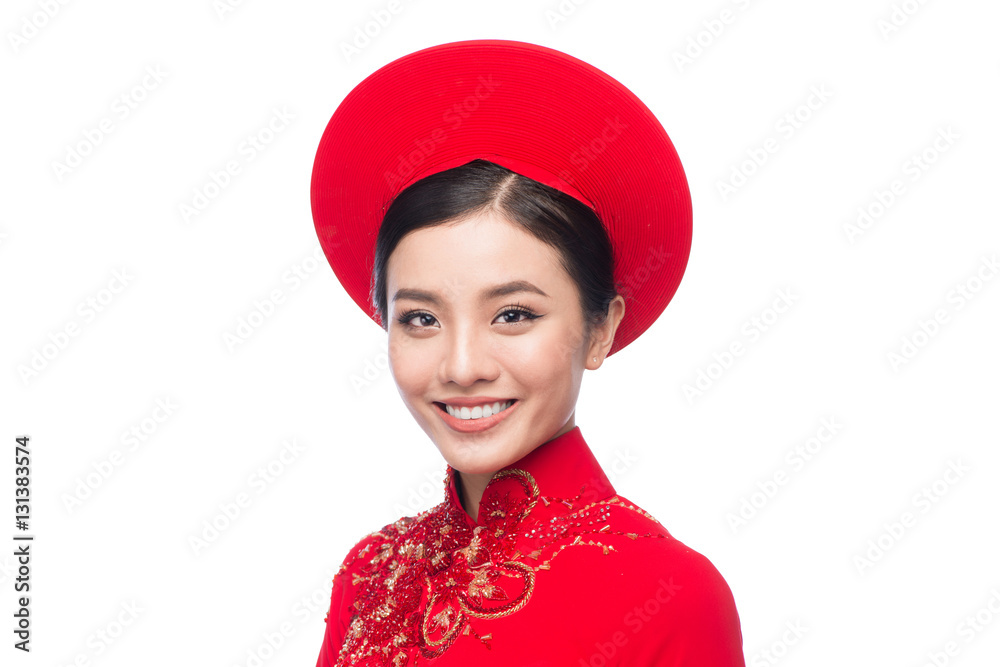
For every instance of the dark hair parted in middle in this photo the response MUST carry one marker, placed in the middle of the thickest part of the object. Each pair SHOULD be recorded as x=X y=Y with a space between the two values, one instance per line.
x=561 y=221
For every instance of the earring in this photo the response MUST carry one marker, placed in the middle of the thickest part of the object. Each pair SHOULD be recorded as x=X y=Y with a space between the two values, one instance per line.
x=595 y=358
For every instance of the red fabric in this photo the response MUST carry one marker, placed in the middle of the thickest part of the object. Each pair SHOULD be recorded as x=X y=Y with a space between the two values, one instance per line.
x=557 y=570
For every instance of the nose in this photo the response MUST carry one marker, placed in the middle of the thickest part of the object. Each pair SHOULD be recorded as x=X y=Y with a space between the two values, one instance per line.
x=469 y=357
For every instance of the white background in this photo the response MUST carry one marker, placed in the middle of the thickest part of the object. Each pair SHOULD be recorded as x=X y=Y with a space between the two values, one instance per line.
x=363 y=461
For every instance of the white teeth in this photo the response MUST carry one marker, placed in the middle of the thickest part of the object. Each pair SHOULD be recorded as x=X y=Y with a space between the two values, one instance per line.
x=479 y=411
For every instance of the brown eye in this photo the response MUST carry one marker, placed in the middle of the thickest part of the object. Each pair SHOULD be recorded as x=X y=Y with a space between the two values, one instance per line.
x=511 y=315
x=425 y=320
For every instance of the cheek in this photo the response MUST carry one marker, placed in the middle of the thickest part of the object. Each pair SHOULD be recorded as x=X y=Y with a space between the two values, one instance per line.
x=544 y=361
x=405 y=367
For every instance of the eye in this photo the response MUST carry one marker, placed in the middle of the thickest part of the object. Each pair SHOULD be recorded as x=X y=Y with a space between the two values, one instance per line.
x=425 y=319
x=512 y=314
x=419 y=319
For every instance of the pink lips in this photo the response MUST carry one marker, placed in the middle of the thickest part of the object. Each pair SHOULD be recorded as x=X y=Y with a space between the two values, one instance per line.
x=474 y=425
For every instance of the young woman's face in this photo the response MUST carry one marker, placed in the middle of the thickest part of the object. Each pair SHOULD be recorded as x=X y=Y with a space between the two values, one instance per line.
x=460 y=345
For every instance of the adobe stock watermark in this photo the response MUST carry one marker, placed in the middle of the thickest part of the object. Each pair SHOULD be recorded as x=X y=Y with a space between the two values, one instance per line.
x=899 y=15
x=970 y=627
x=786 y=127
x=710 y=31
x=795 y=459
x=639 y=275
x=364 y=34
x=303 y=610
x=424 y=495
x=131 y=440
x=34 y=22
x=922 y=502
x=369 y=371
x=927 y=329
x=40 y=358
x=634 y=621
x=911 y=170
x=751 y=332
x=107 y=635
x=259 y=481
x=263 y=308
x=217 y=180
x=414 y=155
x=8 y=568
x=223 y=8
x=586 y=152
x=560 y=12
x=778 y=649
x=121 y=108
x=376 y=365
x=618 y=466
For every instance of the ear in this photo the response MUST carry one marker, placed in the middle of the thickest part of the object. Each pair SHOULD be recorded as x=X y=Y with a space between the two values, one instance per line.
x=603 y=335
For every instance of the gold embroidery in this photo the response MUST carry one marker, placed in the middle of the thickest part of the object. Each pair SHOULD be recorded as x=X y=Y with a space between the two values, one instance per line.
x=431 y=576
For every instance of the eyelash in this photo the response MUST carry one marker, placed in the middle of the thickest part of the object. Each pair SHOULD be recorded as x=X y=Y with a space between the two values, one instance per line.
x=529 y=315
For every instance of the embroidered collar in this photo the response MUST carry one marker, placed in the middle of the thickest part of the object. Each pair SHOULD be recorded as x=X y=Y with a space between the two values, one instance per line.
x=426 y=581
x=562 y=468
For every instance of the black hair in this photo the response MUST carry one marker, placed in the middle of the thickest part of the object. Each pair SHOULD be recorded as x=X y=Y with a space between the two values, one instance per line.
x=562 y=221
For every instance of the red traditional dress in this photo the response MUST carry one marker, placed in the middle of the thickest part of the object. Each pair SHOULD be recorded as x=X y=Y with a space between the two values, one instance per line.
x=557 y=570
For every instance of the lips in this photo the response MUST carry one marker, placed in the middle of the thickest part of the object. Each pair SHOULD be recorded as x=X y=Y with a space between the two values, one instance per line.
x=477 y=411
x=472 y=425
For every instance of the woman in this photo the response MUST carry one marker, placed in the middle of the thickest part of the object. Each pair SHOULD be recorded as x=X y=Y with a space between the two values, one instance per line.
x=511 y=216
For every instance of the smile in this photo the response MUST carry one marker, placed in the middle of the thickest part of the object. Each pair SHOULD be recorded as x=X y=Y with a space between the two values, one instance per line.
x=466 y=419
x=479 y=411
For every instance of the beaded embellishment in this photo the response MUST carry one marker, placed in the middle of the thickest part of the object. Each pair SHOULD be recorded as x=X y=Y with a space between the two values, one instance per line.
x=429 y=578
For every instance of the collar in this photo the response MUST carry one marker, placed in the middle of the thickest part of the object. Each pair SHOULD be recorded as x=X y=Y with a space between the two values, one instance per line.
x=563 y=468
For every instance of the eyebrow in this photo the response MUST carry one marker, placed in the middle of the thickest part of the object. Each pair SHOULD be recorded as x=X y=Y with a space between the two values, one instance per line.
x=487 y=294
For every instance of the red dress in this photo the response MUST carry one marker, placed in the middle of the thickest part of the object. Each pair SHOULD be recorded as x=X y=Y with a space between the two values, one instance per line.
x=558 y=570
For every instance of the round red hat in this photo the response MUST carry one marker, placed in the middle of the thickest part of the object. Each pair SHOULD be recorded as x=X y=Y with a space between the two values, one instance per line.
x=537 y=111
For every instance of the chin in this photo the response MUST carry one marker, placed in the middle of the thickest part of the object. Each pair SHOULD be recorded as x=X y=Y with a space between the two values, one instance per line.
x=475 y=464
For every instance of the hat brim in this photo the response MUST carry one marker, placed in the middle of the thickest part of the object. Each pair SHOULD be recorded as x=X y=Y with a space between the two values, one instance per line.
x=537 y=111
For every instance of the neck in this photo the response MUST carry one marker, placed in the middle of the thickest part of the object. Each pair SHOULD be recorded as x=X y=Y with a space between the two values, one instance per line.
x=474 y=485
x=471 y=491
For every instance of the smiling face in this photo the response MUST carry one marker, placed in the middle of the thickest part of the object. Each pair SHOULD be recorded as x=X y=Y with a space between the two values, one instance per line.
x=483 y=313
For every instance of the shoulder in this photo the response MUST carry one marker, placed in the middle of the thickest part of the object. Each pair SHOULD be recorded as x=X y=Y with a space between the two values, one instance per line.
x=369 y=547
x=667 y=559
x=676 y=592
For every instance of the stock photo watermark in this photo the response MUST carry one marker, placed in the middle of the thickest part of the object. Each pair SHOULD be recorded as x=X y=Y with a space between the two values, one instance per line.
x=229 y=511
x=965 y=632
x=587 y=152
x=780 y=647
x=921 y=503
x=58 y=341
x=787 y=126
x=303 y=610
x=131 y=439
x=928 y=328
x=378 y=20
x=264 y=308
x=32 y=24
x=606 y=652
x=911 y=170
x=122 y=106
x=795 y=460
x=223 y=8
x=218 y=180
x=899 y=15
x=560 y=12
x=710 y=31
x=452 y=119
x=104 y=637
x=751 y=331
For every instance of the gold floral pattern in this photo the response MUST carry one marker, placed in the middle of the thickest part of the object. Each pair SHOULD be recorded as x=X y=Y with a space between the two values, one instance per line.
x=428 y=580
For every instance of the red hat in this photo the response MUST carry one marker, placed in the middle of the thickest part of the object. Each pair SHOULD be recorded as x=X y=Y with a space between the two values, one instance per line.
x=537 y=111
